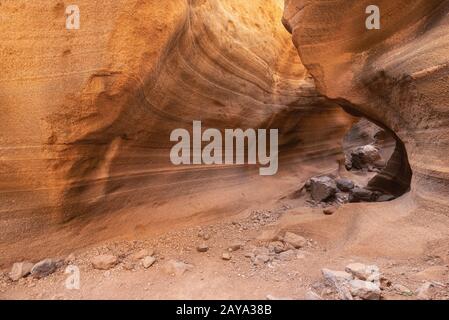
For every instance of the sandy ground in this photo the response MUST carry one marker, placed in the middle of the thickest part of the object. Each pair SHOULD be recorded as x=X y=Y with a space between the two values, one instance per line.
x=286 y=276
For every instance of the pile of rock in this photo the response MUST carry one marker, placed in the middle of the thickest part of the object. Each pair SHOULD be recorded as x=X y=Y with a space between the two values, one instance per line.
x=39 y=270
x=330 y=190
x=284 y=248
x=358 y=281
x=366 y=157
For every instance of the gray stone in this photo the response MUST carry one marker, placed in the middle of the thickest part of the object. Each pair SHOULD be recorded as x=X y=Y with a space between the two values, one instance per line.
x=364 y=156
x=104 y=262
x=361 y=195
x=43 y=268
x=322 y=188
x=295 y=240
x=364 y=290
x=20 y=270
x=345 y=185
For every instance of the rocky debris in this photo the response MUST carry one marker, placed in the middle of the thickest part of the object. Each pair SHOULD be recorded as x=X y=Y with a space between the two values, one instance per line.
x=322 y=188
x=128 y=265
x=342 y=198
x=20 y=270
x=329 y=211
x=288 y=255
x=364 y=272
x=362 y=195
x=434 y=273
x=43 y=268
x=235 y=246
x=425 y=292
x=358 y=280
x=277 y=247
x=177 y=268
x=364 y=290
x=261 y=259
x=345 y=185
x=312 y=296
x=202 y=248
x=294 y=240
x=142 y=254
x=70 y=258
x=148 y=261
x=402 y=290
x=203 y=235
x=333 y=277
x=362 y=157
x=104 y=262
x=226 y=256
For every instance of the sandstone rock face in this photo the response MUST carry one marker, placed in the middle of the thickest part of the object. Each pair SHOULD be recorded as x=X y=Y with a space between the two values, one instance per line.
x=396 y=76
x=87 y=114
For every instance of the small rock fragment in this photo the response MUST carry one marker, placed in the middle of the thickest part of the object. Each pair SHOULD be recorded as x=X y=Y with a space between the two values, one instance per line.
x=276 y=247
x=235 y=246
x=329 y=211
x=202 y=248
x=20 y=270
x=177 y=268
x=295 y=240
x=148 y=261
x=104 y=262
x=142 y=254
x=226 y=256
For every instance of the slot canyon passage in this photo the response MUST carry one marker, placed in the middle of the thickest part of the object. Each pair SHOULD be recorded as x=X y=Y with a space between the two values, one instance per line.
x=85 y=148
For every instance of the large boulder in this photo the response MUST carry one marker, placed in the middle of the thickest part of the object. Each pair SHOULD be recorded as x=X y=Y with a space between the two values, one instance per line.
x=43 y=268
x=362 y=195
x=322 y=188
x=344 y=184
x=364 y=156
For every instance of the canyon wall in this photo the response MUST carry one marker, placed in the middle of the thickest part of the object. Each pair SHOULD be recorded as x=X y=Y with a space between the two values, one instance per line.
x=397 y=76
x=87 y=115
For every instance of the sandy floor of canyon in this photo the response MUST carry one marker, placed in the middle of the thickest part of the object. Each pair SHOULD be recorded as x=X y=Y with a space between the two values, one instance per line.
x=291 y=275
